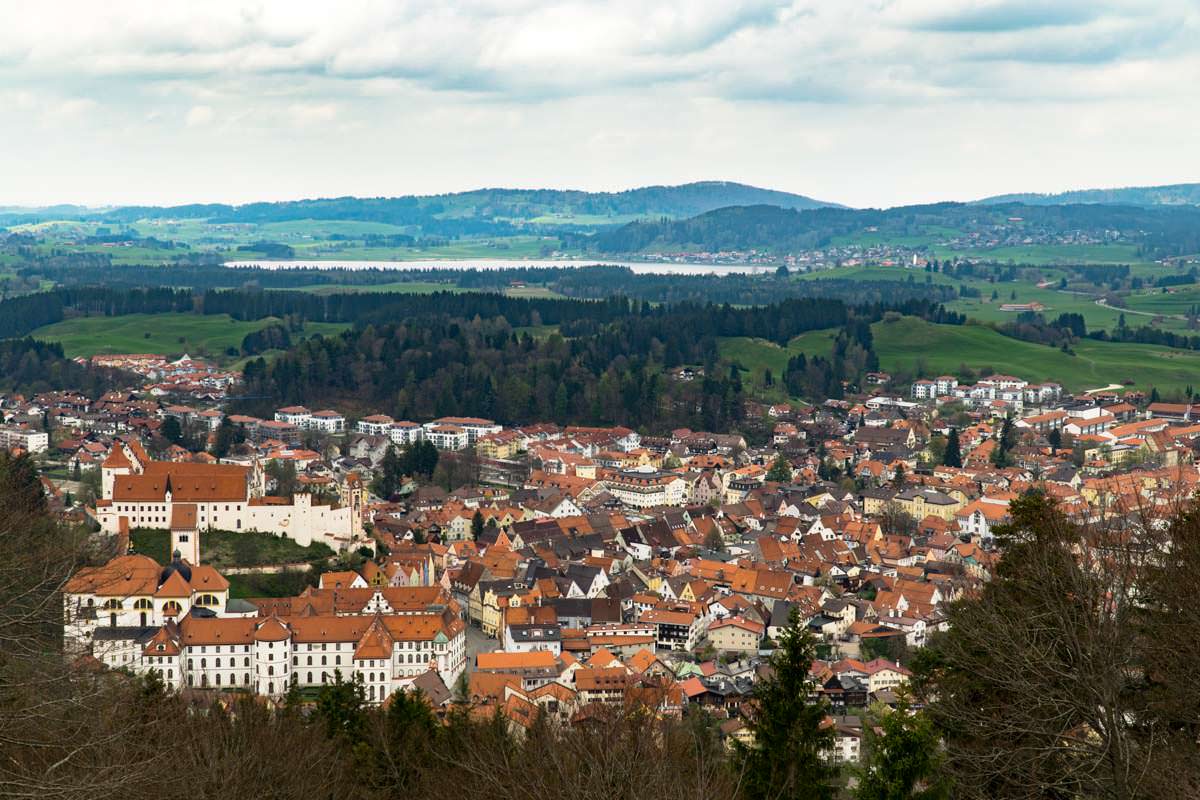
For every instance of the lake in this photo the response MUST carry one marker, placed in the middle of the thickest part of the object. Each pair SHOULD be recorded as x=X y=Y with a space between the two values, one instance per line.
x=639 y=267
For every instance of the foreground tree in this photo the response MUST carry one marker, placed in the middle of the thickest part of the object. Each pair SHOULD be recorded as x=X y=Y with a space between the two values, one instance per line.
x=789 y=757
x=1057 y=679
x=903 y=759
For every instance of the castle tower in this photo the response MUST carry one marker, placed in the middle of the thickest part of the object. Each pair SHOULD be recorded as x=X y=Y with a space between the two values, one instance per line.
x=117 y=463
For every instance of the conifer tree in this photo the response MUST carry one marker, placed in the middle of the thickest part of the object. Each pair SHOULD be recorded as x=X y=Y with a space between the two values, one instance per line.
x=953 y=454
x=789 y=757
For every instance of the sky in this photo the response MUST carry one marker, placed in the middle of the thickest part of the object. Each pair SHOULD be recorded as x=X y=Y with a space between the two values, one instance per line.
x=863 y=102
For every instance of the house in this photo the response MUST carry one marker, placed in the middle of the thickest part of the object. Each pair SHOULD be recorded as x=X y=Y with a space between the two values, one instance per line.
x=675 y=630
x=978 y=518
x=534 y=668
x=527 y=638
x=736 y=635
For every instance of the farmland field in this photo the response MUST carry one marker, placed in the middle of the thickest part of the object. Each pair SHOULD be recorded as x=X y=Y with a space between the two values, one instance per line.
x=169 y=334
x=1053 y=300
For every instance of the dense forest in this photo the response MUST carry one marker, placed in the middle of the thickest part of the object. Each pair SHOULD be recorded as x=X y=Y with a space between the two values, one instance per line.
x=595 y=370
x=30 y=366
x=592 y=282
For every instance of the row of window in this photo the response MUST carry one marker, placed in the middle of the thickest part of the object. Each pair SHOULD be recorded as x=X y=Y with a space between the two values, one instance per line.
x=147 y=509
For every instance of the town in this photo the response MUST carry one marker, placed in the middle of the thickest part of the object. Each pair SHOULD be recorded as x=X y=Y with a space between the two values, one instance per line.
x=560 y=568
x=599 y=400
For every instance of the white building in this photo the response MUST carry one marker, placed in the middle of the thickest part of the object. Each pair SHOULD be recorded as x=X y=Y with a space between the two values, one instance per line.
x=326 y=422
x=136 y=615
x=134 y=591
x=12 y=437
x=405 y=433
x=448 y=437
x=473 y=426
x=294 y=415
x=138 y=492
x=374 y=425
x=647 y=489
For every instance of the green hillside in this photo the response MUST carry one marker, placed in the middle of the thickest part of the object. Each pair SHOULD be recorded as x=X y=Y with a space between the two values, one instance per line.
x=909 y=344
x=168 y=334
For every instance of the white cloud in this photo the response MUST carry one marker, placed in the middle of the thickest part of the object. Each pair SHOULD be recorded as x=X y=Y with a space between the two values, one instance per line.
x=199 y=115
x=816 y=96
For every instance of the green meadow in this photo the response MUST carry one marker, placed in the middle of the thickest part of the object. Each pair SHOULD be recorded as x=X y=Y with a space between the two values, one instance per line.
x=911 y=344
x=168 y=334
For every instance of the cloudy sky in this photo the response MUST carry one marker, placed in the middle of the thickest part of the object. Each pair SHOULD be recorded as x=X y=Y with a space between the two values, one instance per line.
x=866 y=102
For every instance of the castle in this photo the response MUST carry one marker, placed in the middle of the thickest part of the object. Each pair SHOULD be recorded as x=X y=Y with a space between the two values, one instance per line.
x=139 y=492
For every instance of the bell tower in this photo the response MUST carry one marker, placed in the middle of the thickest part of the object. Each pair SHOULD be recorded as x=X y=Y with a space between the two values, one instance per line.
x=185 y=539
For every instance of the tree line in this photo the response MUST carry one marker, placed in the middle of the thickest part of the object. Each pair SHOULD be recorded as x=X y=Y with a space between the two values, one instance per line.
x=595 y=370
x=31 y=366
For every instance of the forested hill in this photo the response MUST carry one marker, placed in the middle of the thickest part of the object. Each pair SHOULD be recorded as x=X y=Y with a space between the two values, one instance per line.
x=1167 y=230
x=494 y=205
x=1176 y=194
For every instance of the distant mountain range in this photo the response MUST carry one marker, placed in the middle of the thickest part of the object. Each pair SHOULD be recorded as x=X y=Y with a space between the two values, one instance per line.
x=473 y=208
x=1176 y=194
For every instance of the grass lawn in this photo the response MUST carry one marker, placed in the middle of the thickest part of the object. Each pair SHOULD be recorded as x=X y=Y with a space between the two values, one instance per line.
x=278 y=584
x=1179 y=300
x=536 y=331
x=401 y=287
x=757 y=355
x=169 y=334
x=535 y=292
x=231 y=548
x=909 y=343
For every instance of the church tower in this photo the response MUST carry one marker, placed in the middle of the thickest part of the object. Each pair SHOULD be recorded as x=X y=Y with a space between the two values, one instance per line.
x=185 y=533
